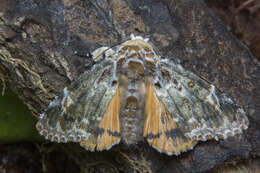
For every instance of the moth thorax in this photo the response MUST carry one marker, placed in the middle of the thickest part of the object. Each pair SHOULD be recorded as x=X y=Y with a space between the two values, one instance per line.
x=136 y=66
x=132 y=119
x=136 y=60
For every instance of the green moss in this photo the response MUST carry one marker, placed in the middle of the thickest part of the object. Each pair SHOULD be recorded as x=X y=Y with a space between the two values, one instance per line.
x=16 y=122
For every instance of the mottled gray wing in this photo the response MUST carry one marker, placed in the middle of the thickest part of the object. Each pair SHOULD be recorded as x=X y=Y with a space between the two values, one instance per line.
x=199 y=109
x=76 y=113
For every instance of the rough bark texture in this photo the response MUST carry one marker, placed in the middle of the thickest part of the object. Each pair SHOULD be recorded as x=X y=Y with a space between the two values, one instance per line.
x=44 y=47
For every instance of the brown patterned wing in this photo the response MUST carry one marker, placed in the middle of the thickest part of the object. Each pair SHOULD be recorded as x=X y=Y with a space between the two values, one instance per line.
x=86 y=111
x=159 y=128
x=109 y=127
x=196 y=107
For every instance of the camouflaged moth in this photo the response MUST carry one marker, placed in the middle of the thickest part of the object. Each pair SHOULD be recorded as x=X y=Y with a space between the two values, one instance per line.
x=131 y=93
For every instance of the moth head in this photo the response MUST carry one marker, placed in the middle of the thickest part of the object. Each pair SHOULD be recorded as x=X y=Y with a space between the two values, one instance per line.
x=138 y=40
x=137 y=49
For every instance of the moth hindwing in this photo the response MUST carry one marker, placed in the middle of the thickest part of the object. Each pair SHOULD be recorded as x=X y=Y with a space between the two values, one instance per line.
x=131 y=93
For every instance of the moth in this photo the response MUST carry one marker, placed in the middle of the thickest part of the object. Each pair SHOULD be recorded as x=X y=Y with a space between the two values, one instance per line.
x=131 y=94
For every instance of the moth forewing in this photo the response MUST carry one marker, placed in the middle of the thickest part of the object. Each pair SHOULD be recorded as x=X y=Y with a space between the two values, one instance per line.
x=160 y=129
x=198 y=106
x=75 y=115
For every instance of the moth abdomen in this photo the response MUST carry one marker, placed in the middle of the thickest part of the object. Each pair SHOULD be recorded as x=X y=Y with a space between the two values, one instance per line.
x=131 y=114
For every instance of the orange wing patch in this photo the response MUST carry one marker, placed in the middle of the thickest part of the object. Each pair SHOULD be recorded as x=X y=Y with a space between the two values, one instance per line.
x=108 y=128
x=160 y=129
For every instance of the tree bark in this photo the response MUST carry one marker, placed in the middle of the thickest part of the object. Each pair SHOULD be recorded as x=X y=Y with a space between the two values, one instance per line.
x=44 y=46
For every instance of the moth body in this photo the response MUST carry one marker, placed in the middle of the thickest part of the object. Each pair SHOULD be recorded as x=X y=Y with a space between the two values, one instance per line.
x=133 y=68
x=131 y=114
